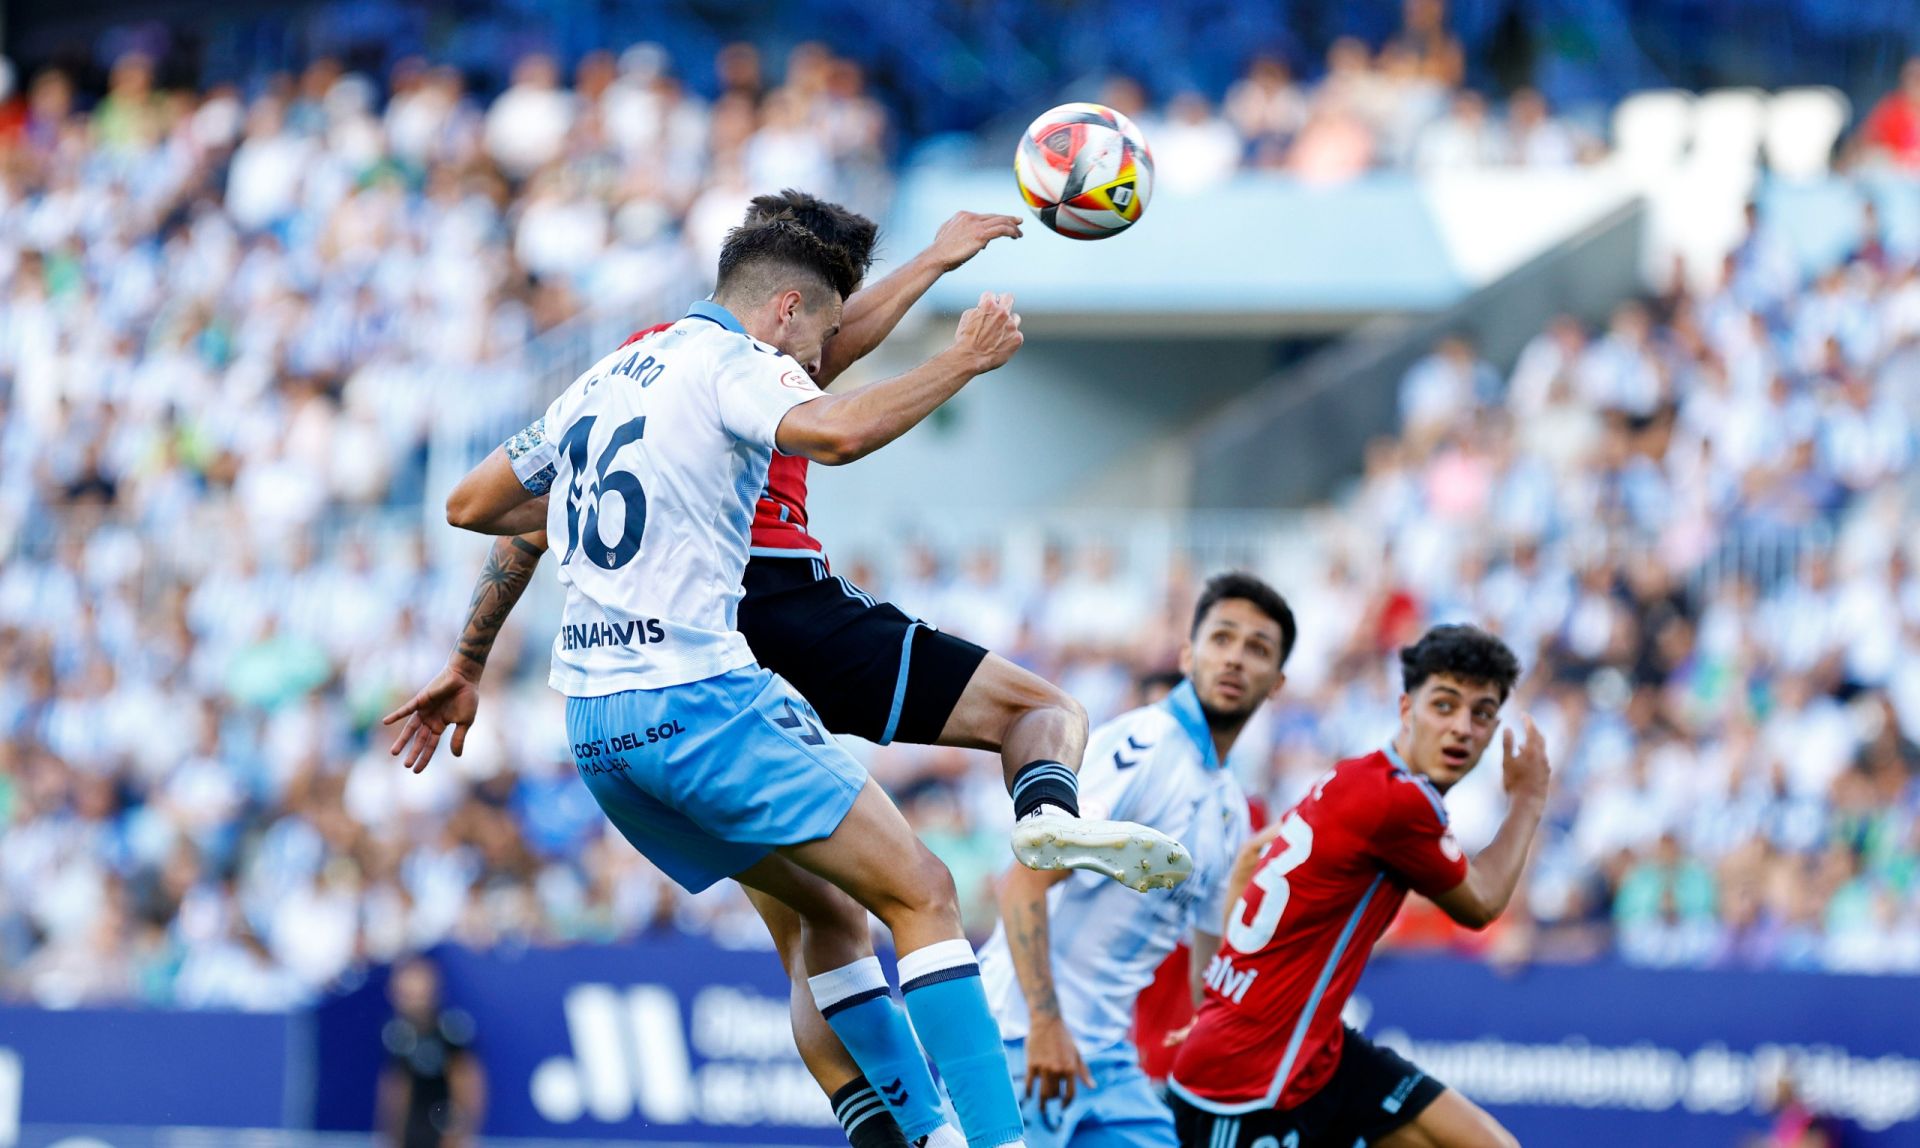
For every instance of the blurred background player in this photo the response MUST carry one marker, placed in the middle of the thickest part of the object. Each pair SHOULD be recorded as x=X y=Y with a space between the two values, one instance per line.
x=868 y=668
x=1072 y=952
x=1268 y=1059
x=433 y=1090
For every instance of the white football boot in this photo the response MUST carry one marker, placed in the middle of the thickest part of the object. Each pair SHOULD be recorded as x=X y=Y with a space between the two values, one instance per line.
x=1139 y=857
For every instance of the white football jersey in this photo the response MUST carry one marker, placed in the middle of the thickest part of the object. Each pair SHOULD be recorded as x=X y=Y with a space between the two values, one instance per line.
x=652 y=461
x=1155 y=765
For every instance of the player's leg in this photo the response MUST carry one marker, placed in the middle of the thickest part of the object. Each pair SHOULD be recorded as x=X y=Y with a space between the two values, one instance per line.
x=1381 y=1097
x=764 y=772
x=862 y=1111
x=874 y=856
x=1451 y=1121
x=668 y=796
x=837 y=968
x=872 y=671
x=825 y=1057
x=1041 y=733
x=1016 y=712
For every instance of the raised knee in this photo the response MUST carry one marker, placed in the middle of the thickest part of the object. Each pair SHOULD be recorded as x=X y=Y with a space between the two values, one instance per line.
x=932 y=890
x=1076 y=713
x=1035 y=694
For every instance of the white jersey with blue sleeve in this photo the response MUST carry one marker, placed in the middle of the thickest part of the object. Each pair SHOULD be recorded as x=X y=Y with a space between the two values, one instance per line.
x=1155 y=765
x=652 y=461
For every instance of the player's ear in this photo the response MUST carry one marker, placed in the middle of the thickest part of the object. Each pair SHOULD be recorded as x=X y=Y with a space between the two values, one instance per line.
x=1186 y=658
x=1279 y=683
x=1406 y=708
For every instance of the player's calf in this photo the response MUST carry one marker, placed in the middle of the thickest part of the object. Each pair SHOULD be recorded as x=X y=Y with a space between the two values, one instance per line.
x=874 y=856
x=847 y=992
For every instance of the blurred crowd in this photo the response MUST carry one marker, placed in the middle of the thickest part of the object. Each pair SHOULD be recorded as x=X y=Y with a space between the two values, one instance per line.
x=1698 y=527
x=229 y=321
x=230 y=318
x=267 y=294
x=1403 y=105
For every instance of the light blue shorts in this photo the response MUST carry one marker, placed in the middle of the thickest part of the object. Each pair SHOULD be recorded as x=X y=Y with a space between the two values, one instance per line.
x=1121 y=1110
x=707 y=777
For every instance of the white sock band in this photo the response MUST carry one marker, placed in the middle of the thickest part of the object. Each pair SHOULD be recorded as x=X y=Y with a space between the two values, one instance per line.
x=848 y=985
x=944 y=957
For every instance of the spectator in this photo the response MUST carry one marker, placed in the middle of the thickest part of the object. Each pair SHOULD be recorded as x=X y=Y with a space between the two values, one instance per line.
x=1193 y=148
x=1532 y=138
x=1890 y=134
x=1266 y=107
x=1441 y=390
x=1335 y=146
x=1464 y=138
x=527 y=126
x=1436 y=50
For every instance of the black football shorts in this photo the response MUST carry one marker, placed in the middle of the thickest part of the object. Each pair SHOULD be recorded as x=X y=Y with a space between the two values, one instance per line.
x=868 y=668
x=1372 y=1092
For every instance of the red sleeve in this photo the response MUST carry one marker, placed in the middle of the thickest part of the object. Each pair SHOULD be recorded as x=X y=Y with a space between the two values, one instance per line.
x=1413 y=840
x=639 y=335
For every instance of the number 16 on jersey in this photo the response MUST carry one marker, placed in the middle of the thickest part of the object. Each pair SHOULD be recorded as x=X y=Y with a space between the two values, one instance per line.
x=585 y=537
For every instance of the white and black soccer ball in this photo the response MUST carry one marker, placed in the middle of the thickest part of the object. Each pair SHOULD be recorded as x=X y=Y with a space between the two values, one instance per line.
x=1084 y=170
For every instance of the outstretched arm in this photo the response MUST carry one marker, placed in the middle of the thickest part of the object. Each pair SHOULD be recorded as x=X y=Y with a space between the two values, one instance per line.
x=837 y=429
x=453 y=698
x=873 y=312
x=1495 y=872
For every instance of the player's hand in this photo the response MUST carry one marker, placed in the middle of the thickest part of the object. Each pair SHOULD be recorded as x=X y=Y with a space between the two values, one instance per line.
x=1178 y=1036
x=450 y=699
x=967 y=234
x=1054 y=1066
x=990 y=332
x=1525 y=770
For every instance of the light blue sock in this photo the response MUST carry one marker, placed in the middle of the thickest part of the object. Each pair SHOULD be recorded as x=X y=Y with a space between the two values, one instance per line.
x=941 y=985
x=860 y=1009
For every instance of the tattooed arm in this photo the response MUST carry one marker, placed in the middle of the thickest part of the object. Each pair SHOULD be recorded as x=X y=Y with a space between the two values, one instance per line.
x=1052 y=1059
x=453 y=697
x=508 y=570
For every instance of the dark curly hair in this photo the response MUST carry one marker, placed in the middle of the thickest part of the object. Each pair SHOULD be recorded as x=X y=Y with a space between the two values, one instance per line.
x=763 y=258
x=1247 y=588
x=1458 y=651
x=835 y=225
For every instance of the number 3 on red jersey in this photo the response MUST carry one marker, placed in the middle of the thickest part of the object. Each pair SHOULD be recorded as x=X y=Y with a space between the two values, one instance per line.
x=1250 y=936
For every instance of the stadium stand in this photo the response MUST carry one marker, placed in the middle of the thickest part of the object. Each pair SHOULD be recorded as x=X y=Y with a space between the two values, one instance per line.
x=231 y=318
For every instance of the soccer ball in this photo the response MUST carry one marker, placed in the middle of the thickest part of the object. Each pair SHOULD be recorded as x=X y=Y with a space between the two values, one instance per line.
x=1085 y=170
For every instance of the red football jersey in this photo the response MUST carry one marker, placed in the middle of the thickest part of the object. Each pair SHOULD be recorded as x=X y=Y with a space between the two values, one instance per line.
x=780 y=517
x=1269 y=1032
x=1166 y=1005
